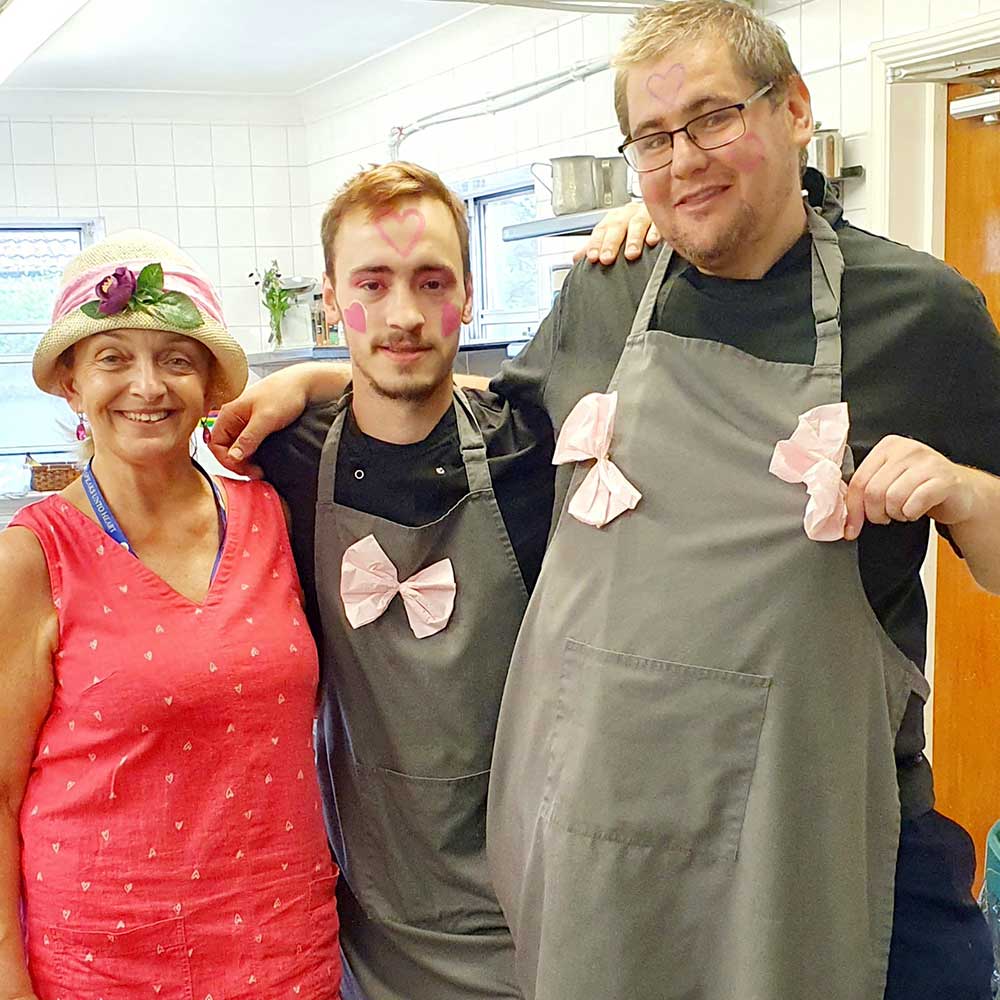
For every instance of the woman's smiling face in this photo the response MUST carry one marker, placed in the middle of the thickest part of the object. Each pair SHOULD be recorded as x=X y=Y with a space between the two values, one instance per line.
x=142 y=391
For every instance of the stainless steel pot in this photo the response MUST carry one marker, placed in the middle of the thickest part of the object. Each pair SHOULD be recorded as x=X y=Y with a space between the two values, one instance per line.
x=572 y=187
x=611 y=181
x=584 y=183
x=826 y=152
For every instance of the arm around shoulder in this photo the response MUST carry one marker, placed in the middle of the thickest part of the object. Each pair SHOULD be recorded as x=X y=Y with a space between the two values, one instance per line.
x=29 y=634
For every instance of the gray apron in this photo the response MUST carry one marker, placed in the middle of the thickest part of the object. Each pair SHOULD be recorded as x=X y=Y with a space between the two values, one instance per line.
x=694 y=787
x=404 y=745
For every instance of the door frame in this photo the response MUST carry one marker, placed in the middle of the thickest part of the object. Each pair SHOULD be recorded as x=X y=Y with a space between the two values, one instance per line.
x=906 y=169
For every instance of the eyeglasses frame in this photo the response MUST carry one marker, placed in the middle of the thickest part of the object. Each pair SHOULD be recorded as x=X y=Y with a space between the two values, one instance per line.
x=740 y=107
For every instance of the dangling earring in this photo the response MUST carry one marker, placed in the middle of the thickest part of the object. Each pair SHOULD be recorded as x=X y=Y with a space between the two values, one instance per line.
x=81 y=429
x=206 y=430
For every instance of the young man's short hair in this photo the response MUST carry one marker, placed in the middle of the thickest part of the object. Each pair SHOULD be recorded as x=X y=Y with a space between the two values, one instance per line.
x=378 y=189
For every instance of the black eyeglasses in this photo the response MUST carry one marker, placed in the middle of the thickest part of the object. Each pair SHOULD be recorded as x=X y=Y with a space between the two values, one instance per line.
x=708 y=131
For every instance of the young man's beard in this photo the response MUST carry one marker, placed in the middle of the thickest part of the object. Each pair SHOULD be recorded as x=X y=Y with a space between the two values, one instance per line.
x=412 y=391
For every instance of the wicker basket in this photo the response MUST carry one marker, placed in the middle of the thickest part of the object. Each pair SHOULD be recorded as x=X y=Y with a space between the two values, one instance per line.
x=48 y=476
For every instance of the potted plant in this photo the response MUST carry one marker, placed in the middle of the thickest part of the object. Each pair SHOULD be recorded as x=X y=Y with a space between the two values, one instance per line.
x=277 y=299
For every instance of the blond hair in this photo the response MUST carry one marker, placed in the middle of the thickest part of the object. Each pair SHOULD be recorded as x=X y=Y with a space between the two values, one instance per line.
x=379 y=188
x=758 y=47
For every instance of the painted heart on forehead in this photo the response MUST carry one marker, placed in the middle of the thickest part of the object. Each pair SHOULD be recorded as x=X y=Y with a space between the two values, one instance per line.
x=665 y=87
x=401 y=230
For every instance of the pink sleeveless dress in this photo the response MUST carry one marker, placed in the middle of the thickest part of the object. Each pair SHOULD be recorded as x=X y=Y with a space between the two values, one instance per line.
x=173 y=839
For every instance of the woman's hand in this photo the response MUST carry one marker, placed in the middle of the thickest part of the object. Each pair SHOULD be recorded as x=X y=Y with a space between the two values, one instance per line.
x=629 y=224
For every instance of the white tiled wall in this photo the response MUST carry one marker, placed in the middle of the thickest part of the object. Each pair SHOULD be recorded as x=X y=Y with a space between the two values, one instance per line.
x=349 y=118
x=225 y=192
x=240 y=184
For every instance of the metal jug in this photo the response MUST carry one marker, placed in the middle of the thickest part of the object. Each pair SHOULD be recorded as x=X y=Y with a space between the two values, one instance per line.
x=611 y=181
x=826 y=152
x=572 y=186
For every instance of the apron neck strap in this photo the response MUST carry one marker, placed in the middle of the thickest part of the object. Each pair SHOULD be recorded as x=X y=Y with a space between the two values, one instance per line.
x=648 y=302
x=470 y=439
x=827 y=272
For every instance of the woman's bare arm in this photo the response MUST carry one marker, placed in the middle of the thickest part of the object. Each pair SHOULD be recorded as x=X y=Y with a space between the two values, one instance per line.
x=29 y=633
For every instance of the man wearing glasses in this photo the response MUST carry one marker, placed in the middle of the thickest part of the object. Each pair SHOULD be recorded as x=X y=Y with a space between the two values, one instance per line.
x=708 y=780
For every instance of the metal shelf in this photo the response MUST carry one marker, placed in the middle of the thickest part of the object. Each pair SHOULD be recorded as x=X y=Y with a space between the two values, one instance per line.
x=577 y=224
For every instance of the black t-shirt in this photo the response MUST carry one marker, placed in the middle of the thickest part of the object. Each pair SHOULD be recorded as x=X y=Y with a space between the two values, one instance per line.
x=921 y=358
x=414 y=484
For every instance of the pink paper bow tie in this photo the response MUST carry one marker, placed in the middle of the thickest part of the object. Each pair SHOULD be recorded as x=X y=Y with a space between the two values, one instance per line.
x=369 y=582
x=605 y=492
x=814 y=455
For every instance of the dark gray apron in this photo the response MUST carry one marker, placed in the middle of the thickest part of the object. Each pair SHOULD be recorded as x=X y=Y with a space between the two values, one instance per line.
x=404 y=743
x=694 y=787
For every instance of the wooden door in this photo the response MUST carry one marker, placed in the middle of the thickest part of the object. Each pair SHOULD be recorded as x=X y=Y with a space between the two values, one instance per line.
x=967 y=639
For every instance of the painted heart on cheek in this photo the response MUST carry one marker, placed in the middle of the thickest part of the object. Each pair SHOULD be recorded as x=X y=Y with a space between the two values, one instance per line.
x=747 y=154
x=665 y=87
x=356 y=317
x=451 y=319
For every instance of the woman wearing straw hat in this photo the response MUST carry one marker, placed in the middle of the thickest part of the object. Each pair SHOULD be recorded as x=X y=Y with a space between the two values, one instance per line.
x=159 y=813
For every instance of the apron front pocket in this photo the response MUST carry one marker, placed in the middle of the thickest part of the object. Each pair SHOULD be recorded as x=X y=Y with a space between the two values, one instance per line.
x=421 y=859
x=653 y=753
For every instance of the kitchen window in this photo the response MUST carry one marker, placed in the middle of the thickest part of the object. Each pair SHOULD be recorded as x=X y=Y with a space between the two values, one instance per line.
x=506 y=295
x=32 y=259
x=507 y=300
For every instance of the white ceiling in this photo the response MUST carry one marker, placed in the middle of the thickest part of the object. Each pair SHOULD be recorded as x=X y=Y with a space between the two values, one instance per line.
x=222 y=46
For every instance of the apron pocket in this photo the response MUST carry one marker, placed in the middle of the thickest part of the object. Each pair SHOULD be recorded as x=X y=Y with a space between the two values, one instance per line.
x=421 y=858
x=653 y=753
x=151 y=958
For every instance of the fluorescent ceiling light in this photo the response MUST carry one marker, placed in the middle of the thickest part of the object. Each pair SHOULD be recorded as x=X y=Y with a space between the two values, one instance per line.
x=578 y=6
x=25 y=25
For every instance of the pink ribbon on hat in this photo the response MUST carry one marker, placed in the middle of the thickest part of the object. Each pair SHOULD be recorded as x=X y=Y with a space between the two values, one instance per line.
x=369 y=581
x=176 y=278
x=814 y=455
x=586 y=434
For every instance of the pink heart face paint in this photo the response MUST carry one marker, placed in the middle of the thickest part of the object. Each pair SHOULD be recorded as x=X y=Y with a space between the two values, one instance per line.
x=666 y=87
x=451 y=319
x=746 y=154
x=402 y=230
x=356 y=317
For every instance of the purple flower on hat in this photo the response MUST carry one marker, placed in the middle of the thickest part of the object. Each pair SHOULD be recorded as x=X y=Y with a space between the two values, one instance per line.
x=115 y=291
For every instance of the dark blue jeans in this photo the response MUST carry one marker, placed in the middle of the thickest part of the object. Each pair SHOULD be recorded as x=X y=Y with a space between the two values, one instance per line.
x=940 y=942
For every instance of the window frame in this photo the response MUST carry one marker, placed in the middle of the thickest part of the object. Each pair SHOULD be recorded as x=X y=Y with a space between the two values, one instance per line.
x=89 y=230
x=477 y=193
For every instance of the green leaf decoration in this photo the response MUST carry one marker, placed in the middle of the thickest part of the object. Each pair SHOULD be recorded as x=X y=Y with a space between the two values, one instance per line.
x=150 y=279
x=92 y=309
x=176 y=309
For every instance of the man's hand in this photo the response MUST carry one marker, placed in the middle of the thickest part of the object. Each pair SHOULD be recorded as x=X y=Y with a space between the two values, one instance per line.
x=903 y=480
x=629 y=224
x=243 y=424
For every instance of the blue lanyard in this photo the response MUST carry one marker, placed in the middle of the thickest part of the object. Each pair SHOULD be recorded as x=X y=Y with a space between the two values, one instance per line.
x=110 y=523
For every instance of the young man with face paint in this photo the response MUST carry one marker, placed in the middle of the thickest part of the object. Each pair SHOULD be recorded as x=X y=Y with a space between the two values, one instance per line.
x=420 y=515
x=708 y=779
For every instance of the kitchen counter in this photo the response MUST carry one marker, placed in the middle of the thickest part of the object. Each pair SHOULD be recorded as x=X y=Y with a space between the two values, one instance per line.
x=473 y=359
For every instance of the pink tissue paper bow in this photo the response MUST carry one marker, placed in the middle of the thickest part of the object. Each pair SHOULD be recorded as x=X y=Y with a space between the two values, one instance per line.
x=369 y=582
x=605 y=492
x=814 y=455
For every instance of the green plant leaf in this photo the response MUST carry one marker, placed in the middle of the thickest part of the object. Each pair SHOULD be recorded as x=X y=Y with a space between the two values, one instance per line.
x=176 y=309
x=92 y=309
x=150 y=279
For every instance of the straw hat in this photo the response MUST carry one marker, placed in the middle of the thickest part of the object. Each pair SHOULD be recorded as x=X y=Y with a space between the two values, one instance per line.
x=134 y=249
